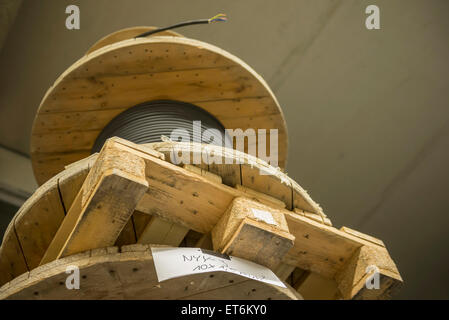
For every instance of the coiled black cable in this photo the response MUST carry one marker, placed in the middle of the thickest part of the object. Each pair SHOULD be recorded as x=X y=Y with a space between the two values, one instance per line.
x=149 y=121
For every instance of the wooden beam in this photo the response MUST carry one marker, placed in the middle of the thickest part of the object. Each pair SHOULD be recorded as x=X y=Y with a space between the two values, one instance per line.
x=104 y=204
x=253 y=231
x=368 y=259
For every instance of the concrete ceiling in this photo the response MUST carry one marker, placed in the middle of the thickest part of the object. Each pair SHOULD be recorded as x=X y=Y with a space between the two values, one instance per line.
x=367 y=111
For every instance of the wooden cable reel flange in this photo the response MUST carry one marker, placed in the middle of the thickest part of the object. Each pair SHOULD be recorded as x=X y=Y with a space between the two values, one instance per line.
x=161 y=203
x=121 y=75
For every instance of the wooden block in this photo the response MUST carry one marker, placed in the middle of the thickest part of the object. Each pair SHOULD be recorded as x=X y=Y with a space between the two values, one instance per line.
x=38 y=221
x=352 y=278
x=71 y=180
x=104 y=204
x=12 y=263
x=262 y=197
x=160 y=231
x=202 y=172
x=253 y=231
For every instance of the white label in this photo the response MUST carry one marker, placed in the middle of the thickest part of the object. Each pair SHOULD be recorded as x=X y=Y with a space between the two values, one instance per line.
x=177 y=262
x=264 y=216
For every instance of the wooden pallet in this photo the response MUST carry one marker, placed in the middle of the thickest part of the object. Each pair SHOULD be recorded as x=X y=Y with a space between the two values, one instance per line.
x=134 y=194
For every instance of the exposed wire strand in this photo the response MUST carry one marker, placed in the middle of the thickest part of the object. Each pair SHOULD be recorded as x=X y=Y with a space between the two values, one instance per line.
x=221 y=17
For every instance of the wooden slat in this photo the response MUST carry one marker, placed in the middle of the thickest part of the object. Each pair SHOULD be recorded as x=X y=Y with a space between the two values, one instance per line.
x=71 y=179
x=316 y=287
x=126 y=34
x=111 y=91
x=351 y=280
x=318 y=248
x=38 y=221
x=12 y=262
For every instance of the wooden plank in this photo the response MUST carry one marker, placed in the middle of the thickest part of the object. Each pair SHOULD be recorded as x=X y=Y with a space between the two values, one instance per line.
x=111 y=91
x=104 y=204
x=12 y=262
x=363 y=236
x=243 y=232
x=38 y=220
x=318 y=248
x=160 y=231
x=126 y=34
x=351 y=280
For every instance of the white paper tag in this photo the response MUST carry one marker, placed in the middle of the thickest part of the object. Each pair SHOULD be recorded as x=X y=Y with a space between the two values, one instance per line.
x=177 y=262
x=264 y=216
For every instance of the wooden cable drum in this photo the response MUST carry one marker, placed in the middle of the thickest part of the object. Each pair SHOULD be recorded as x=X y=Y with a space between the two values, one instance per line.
x=116 y=76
